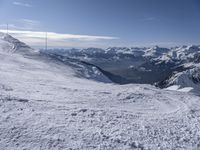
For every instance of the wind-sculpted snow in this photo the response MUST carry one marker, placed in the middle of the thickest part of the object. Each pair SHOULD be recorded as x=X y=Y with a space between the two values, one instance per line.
x=43 y=105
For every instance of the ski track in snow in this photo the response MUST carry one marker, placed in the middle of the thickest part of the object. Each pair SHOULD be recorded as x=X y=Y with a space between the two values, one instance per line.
x=44 y=106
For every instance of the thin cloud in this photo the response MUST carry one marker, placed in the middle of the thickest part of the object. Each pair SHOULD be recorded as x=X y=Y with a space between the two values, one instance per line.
x=4 y=26
x=22 y=4
x=28 y=24
x=22 y=24
x=29 y=21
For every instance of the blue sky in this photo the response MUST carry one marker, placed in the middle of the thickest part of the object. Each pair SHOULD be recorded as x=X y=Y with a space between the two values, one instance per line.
x=103 y=23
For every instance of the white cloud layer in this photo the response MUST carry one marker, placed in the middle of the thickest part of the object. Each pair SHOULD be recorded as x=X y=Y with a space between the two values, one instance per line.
x=57 y=39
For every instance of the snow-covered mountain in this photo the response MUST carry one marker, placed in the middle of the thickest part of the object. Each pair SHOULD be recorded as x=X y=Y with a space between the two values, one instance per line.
x=159 y=66
x=189 y=78
x=45 y=104
x=12 y=45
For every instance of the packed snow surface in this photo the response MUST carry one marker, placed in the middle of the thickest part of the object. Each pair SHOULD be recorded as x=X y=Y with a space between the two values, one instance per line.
x=45 y=106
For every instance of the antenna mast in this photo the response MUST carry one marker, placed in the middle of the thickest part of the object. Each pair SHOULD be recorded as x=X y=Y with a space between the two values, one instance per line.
x=46 y=41
x=7 y=28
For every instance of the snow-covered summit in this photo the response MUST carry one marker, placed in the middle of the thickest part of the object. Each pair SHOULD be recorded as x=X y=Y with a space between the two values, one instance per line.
x=15 y=46
x=184 y=52
x=156 y=52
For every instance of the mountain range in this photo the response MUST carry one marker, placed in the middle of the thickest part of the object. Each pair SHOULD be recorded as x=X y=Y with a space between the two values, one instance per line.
x=162 y=67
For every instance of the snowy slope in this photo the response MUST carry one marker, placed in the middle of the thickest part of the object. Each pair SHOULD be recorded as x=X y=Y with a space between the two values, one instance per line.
x=44 y=105
x=12 y=45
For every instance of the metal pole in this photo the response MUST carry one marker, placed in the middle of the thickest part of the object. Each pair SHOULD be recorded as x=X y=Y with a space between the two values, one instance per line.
x=7 y=28
x=46 y=42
